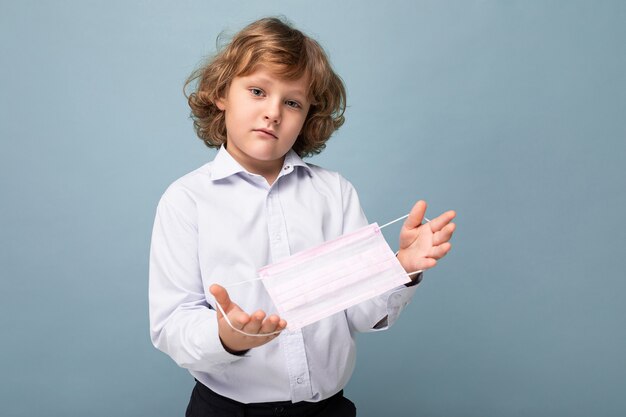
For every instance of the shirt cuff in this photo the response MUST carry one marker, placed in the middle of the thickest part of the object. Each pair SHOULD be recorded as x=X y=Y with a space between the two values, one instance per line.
x=207 y=340
x=415 y=281
x=397 y=300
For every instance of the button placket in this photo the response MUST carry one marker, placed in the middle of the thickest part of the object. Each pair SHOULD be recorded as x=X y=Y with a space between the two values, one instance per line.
x=276 y=228
x=297 y=365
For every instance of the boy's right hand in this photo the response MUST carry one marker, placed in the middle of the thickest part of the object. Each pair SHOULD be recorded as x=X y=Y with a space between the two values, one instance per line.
x=256 y=323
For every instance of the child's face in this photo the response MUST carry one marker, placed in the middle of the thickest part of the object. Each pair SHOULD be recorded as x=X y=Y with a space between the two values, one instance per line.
x=264 y=116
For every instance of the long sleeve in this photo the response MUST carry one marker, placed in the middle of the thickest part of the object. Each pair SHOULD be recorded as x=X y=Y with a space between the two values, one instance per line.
x=380 y=312
x=181 y=322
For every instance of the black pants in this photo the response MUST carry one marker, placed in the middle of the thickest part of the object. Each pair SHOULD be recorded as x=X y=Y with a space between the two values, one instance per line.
x=206 y=403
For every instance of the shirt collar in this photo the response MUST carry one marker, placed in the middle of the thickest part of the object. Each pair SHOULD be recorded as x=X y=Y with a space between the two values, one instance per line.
x=224 y=165
x=293 y=160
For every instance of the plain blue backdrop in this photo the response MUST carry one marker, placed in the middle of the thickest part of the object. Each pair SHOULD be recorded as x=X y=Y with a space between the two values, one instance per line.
x=510 y=112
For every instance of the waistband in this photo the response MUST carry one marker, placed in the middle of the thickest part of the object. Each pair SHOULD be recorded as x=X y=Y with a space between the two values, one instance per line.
x=276 y=408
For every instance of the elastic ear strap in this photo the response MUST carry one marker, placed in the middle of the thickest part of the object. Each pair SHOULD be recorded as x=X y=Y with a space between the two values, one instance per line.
x=241 y=331
x=398 y=219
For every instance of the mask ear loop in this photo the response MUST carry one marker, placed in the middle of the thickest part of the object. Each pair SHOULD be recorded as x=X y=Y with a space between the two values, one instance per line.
x=258 y=279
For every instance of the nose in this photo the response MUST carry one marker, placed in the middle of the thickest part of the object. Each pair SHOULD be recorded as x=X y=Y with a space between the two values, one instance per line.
x=272 y=112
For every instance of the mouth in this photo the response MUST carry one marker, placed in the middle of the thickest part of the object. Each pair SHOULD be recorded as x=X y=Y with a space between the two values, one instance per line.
x=267 y=132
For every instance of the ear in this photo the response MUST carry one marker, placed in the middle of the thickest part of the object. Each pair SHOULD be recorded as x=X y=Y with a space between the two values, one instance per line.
x=221 y=103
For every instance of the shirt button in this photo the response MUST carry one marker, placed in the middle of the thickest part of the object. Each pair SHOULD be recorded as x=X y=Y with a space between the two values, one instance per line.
x=299 y=380
x=286 y=167
x=277 y=237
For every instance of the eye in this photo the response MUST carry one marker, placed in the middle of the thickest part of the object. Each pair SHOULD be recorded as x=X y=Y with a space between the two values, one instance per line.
x=293 y=104
x=257 y=92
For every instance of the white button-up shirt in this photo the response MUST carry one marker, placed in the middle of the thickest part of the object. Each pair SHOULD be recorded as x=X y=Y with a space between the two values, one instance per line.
x=220 y=224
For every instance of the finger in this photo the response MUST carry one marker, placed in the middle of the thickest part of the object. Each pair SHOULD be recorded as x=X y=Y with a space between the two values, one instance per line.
x=238 y=319
x=282 y=325
x=255 y=322
x=441 y=221
x=415 y=216
x=221 y=296
x=270 y=324
x=440 y=251
x=423 y=264
x=444 y=234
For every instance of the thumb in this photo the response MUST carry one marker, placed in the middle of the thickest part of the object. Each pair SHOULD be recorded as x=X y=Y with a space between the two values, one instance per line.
x=416 y=215
x=221 y=296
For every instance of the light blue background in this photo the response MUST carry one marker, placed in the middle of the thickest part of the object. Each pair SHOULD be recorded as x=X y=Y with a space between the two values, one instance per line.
x=511 y=112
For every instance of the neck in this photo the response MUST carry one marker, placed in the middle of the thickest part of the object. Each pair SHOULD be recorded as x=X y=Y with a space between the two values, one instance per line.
x=267 y=169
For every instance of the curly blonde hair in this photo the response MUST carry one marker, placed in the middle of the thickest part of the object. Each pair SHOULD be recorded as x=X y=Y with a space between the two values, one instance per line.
x=288 y=53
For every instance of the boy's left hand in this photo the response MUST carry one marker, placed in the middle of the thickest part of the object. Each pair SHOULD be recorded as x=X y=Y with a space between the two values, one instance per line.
x=422 y=245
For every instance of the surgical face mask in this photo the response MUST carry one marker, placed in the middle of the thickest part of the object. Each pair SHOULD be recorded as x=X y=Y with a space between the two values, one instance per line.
x=326 y=279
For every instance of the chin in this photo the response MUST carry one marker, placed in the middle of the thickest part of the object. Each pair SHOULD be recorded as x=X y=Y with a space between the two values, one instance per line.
x=267 y=155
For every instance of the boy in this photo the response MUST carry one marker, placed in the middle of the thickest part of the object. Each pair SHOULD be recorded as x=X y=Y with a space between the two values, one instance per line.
x=267 y=99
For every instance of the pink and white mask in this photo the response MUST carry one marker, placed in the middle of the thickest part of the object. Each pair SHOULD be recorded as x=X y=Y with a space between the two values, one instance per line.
x=326 y=279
